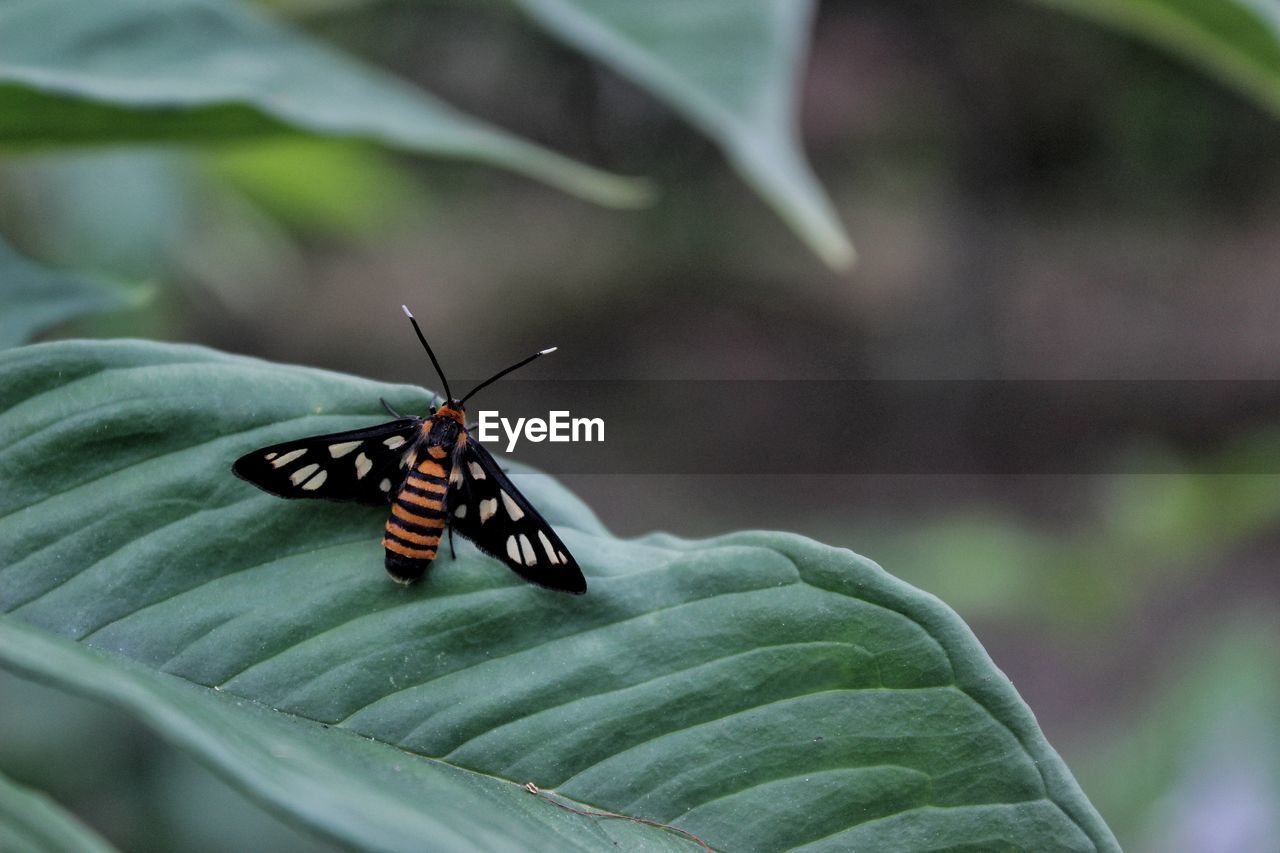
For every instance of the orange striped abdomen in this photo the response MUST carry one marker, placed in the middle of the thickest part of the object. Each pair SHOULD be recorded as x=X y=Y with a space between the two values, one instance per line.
x=417 y=520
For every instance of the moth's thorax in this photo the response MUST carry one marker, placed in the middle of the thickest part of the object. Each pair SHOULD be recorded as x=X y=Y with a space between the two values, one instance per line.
x=444 y=427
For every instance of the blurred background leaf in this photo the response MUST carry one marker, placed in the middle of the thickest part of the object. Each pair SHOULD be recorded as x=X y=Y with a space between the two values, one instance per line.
x=123 y=779
x=1235 y=40
x=34 y=298
x=31 y=821
x=83 y=72
x=733 y=69
x=321 y=188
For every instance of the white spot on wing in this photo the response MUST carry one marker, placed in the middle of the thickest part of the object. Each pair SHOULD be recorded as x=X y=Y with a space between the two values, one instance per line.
x=270 y=456
x=513 y=549
x=546 y=546
x=303 y=473
x=563 y=558
x=476 y=471
x=315 y=482
x=385 y=485
x=526 y=548
x=487 y=509
x=514 y=511
x=394 y=442
x=461 y=511
x=339 y=450
x=362 y=466
x=288 y=457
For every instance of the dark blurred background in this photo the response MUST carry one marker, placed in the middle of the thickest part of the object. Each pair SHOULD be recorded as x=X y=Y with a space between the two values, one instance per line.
x=1032 y=197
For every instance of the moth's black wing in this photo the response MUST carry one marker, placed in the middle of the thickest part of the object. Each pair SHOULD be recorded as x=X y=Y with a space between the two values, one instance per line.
x=363 y=465
x=485 y=507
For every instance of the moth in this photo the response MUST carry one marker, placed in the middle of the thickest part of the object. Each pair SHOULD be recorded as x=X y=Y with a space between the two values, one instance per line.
x=435 y=476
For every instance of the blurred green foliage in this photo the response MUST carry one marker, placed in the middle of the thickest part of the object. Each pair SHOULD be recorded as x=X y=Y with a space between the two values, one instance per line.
x=1161 y=528
x=77 y=72
x=1238 y=40
x=34 y=298
x=122 y=779
x=1196 y=766
x=323 y=189
x=31 y=821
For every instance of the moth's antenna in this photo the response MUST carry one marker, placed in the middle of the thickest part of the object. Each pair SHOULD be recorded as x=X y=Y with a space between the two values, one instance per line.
x=502 y=373
x=427 y=347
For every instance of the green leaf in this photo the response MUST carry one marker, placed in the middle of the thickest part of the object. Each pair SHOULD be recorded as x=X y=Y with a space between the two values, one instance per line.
x=732 y=69
x=30 y=821
x=100 y=71
x=1236 y=40
x=354 y=788
x=759 y=690
x=34 y=298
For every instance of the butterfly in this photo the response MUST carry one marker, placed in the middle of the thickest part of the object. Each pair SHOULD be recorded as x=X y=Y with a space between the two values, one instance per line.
x=435 y=475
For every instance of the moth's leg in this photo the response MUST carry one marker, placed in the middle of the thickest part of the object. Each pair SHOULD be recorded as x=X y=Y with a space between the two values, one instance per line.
x=390 y=410
x=452 y=554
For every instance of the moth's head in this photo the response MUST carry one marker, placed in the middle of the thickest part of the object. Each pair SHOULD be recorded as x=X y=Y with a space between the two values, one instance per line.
x=453 y=410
